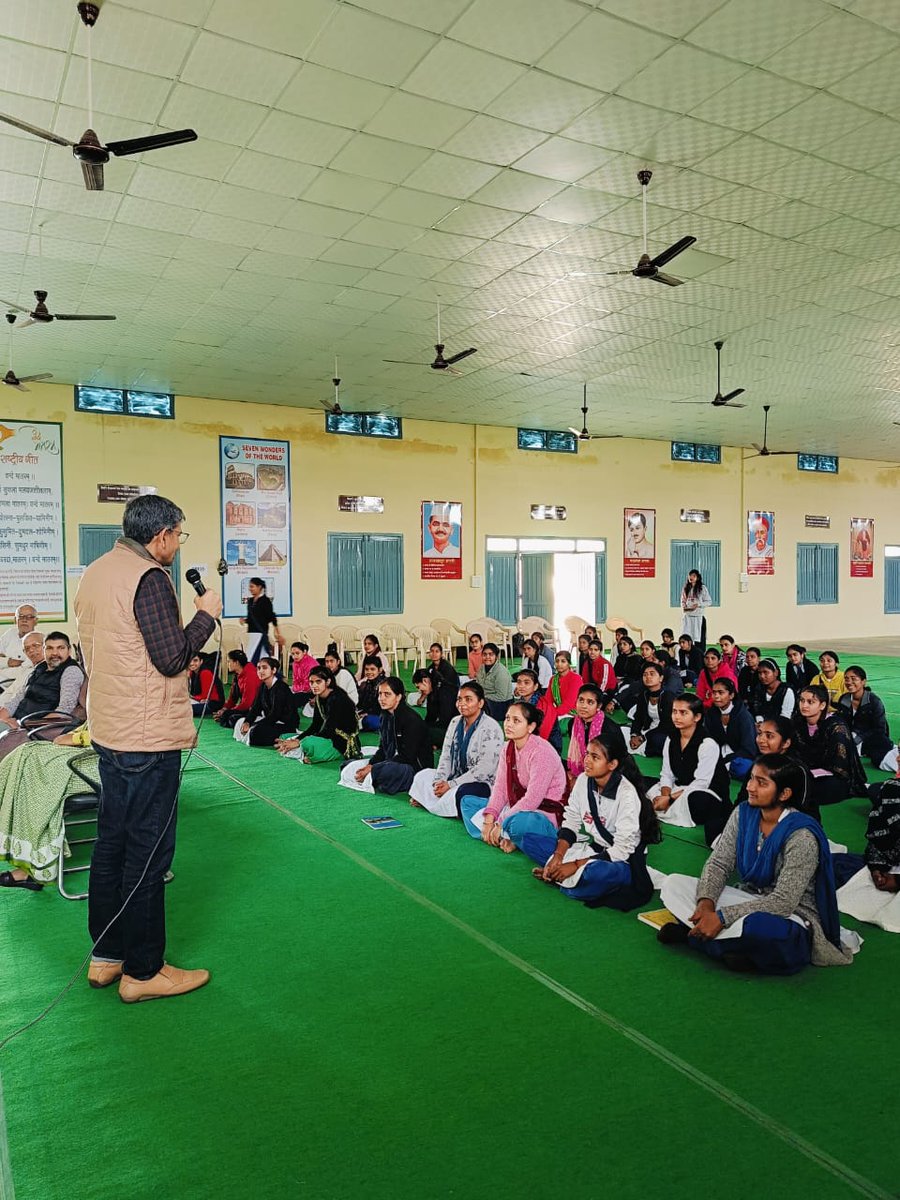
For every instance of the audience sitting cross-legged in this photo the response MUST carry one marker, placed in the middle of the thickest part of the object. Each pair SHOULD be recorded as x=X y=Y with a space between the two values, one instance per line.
x=599 y=852
x=495 y=681
x=367 y=703
x=470 y=754
x=824 y=744
x=785 y=915
x=559 y=699
x=333 y=732
x=693 y=787
x=342 y=677
x=530 y=776
x=830 y=677
x=864 y=713
x=205 y=687
x=651 y=723
x=533 y=660
x=589 y=722
x=272 y=713
x=302 y=662
x=438 y=701
x=713 y=668
x=404 y=746
x=869 y=884
x=772 y=696
x=244 y=687
x=729 y=722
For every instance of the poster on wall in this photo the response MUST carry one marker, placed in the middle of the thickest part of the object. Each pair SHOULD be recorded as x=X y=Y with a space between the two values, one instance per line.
x=862 y=547
x=441 y=539
x=760 y=543
x=32 y=547
x=255 y=484
x=639 y=558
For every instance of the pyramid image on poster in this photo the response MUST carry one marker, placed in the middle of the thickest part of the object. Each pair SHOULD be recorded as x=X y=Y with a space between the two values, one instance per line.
x=273 y=555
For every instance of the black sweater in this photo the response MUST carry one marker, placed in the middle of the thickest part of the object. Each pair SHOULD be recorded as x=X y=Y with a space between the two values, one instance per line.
x=334 y=717
x=413 y=741
x=275 y=703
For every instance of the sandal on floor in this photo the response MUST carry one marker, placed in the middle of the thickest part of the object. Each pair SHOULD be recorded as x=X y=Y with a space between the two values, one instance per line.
x=7 y=879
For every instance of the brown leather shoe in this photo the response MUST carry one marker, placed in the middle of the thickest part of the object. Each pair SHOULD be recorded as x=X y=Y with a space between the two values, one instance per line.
x=168 y=981
x=102 y=974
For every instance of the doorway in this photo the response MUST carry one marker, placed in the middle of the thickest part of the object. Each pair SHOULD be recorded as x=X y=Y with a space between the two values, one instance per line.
x=553 y=578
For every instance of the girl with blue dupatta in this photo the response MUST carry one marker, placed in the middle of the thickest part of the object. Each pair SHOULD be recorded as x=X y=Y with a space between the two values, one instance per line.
x=784 y=914
x=470 y=754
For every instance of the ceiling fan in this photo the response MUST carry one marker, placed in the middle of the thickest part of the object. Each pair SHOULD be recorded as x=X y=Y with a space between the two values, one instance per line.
x=440 y=362
x=40 y=315
x=11 y=379
x=582 y=435
x=89 y=150
x=763 y=451
x=333 y=407
x=719 y=401
x=647 y=267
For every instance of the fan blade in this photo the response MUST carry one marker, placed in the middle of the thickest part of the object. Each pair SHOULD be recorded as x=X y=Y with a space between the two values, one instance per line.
x=36 y=130
x=728 y=404
x=673 y=251
x=81 y=317
x=577 y=432
x=155 y=141
x=705 y=403
x=405 y=362
x=629 y=272
x=659 y=277
x=25 y=324
x=759 y=449
x=93 y=176
x=772 y=453
x=452 y=371
x=731 y=396
x=19 y=388
x=459 y=357
x=17 y=307
x=34 y=378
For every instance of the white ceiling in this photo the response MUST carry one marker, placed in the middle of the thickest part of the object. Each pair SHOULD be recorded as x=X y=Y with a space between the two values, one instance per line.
x=359 y=160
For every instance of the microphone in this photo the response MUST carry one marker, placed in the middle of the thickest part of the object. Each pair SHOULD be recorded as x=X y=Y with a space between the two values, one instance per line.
x=193 y=578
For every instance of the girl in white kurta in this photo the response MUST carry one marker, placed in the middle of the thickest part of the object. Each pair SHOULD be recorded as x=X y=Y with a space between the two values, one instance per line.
x=695 y=599
x=693 y=786
x=470 y=754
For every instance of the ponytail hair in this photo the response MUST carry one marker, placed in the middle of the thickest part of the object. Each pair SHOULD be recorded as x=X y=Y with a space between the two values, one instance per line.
x=648 y=820
x=786 y=772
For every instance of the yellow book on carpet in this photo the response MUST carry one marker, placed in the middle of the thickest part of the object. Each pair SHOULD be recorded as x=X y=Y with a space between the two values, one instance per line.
x=657 y=918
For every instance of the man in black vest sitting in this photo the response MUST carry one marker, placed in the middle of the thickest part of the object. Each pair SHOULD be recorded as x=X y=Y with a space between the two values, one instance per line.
x=53 y=687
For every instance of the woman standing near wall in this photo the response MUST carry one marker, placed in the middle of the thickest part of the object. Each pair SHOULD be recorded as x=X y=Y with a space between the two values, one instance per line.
x=695 y=599
x=260 y=615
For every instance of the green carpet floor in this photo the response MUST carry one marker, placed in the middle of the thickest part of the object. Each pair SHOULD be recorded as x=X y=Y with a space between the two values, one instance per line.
x=408 y=1014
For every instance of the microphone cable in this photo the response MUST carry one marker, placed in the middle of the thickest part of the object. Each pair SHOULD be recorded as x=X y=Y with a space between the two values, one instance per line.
x=57 y=999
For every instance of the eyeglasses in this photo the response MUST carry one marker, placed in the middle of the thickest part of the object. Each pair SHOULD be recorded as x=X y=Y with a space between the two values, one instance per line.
x=181 y=535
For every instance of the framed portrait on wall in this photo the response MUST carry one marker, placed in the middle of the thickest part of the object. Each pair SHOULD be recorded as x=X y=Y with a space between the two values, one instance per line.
x=441 y=539
x=639 y=544
x=862 y=547
x=760 y=543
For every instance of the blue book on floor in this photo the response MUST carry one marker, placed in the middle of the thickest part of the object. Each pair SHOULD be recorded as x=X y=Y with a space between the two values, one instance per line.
x=381 y=822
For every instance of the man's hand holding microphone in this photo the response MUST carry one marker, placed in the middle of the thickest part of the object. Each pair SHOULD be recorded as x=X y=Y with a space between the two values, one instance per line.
x=205 y=601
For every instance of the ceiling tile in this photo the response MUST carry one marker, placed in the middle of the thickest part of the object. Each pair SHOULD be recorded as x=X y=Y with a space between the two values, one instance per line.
x=518 y=191
x=435 y=15
x=354 y=255
x=747 y=160
x=602 y=52
x=415 y=208
x=750 y=33
x=877 y=141
x=125 y=93
x=191 y=12
x=204 y=157
x=217 y=63
x=688 y=141
x=378 y=158
x=448 y=175
x=287 y=28
x=370 y=46
x=755 y=98
x=622 y=125
x=295 y=241
x=222 y=117
x=838 y=46
x=519 y=29
x=288 y=136
x=415 y=119
x=543 y=101
x=350 y=192
x=681 y=78
x=17 y=189
x=534 y=231
x=791 y=219
x=477 y=220
x=579 y=205
x=333 y=96
x=491 y=140
x=876 y=85
x=814 y=123
x=268 y=173
x=31 y=69
x=134 y=210
x=883 y=12
x=376 y=232
x=662 y=15
x=563 y=159
x=171 y=187
x=20 y=154
x=462 y=75
x=248 y=205
x=317 y=218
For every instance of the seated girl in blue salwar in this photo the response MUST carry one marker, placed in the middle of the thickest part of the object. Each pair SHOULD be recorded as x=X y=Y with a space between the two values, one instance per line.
x=784 y=914
x=598 y=854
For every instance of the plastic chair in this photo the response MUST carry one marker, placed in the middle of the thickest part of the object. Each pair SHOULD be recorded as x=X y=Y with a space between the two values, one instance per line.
x=347 y=639
x=446 y=630
x=232 y=639
x=423 y=636
x=614 y=623
x=401 y=641
x=317 y=637
x=528 y=625
x=575 y=627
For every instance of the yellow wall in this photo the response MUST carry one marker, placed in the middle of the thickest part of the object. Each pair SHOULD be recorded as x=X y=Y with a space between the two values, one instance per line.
x=438 y=461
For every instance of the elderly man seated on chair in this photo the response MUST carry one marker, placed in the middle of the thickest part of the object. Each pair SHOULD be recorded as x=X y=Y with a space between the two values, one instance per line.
x=53 y=687
x=16 y=678
x=11 y=639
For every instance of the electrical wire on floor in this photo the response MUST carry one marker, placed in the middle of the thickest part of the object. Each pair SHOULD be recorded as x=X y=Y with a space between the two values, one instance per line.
x=60 y=996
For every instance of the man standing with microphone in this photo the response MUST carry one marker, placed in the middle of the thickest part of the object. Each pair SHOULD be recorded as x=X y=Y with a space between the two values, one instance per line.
x=136 y=653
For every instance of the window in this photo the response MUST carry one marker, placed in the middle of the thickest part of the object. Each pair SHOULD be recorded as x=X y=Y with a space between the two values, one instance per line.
x=545 y=577
x=817 y=573
x=365 y=574
x=818 y=462
x=125 y=402
x=696 y=452
x=361 y=424
x=558 y=441
x=892 y=579
x=694 y=556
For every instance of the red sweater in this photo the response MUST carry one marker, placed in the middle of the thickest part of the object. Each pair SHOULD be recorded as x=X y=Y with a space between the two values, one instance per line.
x=704 y=683
x=601 y=672
x=569 y=687
x=248 y=684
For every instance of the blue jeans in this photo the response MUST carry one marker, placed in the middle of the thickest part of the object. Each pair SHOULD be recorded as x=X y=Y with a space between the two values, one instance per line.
x=138 y=793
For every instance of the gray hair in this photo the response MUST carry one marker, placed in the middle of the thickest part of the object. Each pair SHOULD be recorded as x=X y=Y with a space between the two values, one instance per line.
x=146 y=516
x=34 y=634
